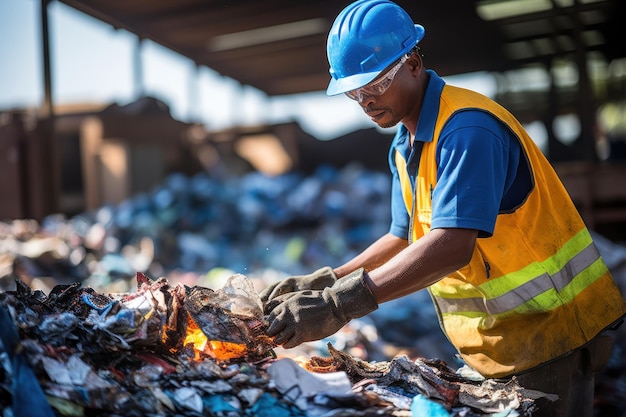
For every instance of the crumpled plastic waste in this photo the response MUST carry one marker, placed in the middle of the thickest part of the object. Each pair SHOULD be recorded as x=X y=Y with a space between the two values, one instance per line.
x=95 y=351
x=138 y=354
x=300 y=385
x=433 y=380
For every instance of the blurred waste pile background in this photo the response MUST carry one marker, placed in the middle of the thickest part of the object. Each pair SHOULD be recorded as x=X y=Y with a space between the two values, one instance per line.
x=101 y=302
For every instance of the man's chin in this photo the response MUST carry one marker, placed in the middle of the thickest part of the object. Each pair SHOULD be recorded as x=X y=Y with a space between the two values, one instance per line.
x=386 y=125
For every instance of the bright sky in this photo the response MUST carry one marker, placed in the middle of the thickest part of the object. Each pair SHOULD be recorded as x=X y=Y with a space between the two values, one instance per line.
x=93 y=63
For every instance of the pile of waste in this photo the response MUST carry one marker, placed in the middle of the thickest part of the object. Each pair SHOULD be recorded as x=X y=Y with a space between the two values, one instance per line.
x=196 y=224
x=168 y=350
x=199 y=231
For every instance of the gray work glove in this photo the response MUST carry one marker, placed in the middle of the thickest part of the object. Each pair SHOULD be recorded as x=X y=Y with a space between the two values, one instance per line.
x=318 y=280
x=314 y=314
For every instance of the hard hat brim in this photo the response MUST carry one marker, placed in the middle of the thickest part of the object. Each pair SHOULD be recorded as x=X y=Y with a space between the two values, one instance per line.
x=343 y=85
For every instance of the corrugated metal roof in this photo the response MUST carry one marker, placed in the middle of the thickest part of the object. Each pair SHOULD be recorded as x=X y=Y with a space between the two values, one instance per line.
x=279 y=46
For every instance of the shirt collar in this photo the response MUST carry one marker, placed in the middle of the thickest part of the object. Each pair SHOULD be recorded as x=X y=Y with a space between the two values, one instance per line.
x=428 y=113
x=430 y=108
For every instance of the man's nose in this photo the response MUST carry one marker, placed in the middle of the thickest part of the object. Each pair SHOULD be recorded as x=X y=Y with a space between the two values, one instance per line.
x=364 y=97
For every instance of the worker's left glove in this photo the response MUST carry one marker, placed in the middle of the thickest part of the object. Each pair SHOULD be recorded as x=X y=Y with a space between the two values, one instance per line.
x=310 y=315
x=318 y=280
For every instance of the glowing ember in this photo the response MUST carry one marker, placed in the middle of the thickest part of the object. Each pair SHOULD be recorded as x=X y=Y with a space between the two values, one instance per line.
x=225 y=350
x=216 y=349
x=196 y=338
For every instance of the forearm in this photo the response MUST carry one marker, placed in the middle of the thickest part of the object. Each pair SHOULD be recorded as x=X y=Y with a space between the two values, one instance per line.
x=374 y=256
x=423 y=263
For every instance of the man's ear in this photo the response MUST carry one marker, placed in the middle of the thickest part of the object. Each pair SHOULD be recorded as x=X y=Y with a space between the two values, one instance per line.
x=415 y=62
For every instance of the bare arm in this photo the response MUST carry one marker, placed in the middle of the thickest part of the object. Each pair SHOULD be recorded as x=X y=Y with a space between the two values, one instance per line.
x=423 y=263
x=375 y=255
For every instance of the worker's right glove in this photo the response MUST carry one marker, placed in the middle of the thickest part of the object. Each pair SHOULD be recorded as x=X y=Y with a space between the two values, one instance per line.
x=318 y=280
x=310 y=315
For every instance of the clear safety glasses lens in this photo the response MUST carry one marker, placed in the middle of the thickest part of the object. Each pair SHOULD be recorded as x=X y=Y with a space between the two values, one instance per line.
x=378 y=87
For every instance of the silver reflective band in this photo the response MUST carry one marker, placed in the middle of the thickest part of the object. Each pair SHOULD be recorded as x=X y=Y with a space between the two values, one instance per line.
x=523 y=293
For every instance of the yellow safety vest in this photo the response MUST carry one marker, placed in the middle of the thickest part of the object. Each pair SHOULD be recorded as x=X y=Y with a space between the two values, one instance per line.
x=535 y=290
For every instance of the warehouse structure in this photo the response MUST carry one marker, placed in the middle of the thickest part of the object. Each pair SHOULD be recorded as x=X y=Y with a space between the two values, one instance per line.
x=279 y=47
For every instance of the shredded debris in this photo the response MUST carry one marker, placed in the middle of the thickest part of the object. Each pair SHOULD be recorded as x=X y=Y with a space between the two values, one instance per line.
x=193 y=351
x=431 y=378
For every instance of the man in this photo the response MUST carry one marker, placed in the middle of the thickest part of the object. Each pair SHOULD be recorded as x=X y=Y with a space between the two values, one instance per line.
x=479 y=218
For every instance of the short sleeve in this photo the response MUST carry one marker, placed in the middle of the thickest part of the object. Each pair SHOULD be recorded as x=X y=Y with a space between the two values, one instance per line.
x=399 y=215
x=477 y=159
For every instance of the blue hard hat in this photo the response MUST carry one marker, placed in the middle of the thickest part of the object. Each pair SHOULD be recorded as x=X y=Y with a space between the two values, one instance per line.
x=366 y=37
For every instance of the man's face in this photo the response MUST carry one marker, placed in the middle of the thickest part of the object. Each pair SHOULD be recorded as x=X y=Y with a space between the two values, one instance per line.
x=381 y=99
x=380 y=84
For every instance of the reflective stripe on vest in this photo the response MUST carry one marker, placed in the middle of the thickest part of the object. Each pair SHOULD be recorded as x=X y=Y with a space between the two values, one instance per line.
x=517 y=293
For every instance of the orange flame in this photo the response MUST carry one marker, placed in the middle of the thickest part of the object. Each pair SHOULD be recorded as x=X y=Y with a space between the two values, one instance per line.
x=216 y=349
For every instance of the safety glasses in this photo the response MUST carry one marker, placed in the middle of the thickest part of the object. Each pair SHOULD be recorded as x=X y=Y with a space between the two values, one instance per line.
x=377 y=87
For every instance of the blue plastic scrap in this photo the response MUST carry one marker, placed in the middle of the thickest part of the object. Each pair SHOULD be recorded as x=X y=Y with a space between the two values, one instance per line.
x=421 y=406
x=28 y=397
x=219 y=403
x=270 y=406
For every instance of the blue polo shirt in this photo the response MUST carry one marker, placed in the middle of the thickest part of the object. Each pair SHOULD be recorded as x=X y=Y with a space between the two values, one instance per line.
x=481 y=169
